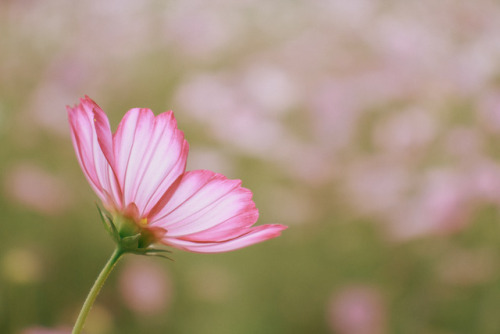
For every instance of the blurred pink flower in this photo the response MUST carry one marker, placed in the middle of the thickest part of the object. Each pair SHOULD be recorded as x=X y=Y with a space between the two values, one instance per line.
x=146 y=288
x=375 y=185
x=200 y=31
x=139 y=174
x=407 y=132
x=485 y=182
x=442 y=205
x=37 y=189
x=357 y=310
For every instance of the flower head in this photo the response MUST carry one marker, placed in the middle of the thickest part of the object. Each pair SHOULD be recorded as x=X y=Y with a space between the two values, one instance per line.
x=139 y=174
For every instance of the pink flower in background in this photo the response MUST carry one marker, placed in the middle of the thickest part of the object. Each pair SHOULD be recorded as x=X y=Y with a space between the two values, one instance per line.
x=139 y=174
x=357 y=310
x=37 y=189
x=146 y=287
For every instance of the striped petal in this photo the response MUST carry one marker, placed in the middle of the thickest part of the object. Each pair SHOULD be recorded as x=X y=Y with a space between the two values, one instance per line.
x=247 y=238
x=203 y=200
x=208 y=213
x=150 y=155
x=92 y=140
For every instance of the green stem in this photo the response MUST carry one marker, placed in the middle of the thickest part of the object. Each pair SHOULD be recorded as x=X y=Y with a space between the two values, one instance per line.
x=95 y=290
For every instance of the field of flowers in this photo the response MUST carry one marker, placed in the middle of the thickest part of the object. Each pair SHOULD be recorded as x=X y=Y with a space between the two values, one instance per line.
x=370 y=128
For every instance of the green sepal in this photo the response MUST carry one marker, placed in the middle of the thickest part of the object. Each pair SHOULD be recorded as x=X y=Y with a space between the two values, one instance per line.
x=130 y=242
x=109 y=225
x=162 y=256
x=138 y=243
x=159 y=252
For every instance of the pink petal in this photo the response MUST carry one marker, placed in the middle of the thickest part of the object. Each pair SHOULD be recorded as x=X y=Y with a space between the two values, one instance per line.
x=229 y=229
x=150 y=155
x=204 y=200
x=91 y=137
x=252 y=236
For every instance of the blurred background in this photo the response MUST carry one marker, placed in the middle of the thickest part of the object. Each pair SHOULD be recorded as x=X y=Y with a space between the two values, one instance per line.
x=369 y=127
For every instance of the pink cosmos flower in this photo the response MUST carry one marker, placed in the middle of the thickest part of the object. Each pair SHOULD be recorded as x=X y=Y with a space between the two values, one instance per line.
x=139 y=174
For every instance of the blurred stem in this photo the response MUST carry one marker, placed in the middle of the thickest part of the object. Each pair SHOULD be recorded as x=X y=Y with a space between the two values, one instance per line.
x=95 y=290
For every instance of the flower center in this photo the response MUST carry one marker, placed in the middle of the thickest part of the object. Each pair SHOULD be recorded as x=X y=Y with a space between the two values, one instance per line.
x=143 y=222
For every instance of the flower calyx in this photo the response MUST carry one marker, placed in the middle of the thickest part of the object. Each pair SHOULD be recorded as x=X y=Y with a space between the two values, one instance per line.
x=131 y=237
